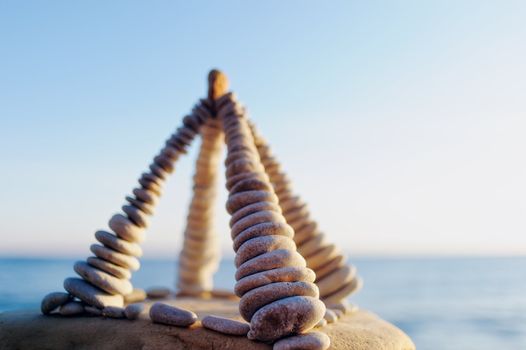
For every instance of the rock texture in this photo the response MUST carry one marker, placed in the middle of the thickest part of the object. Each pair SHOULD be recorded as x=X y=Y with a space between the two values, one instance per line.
x=31 y=330
x=288 y=303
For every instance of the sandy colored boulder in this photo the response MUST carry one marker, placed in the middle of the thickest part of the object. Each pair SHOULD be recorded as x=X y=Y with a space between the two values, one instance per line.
x=360 y=330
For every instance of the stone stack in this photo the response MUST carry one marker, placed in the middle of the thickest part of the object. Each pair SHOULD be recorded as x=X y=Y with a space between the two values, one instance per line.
x=335 y=278
x=105 y=276
x=199 y=257
x=278 y=296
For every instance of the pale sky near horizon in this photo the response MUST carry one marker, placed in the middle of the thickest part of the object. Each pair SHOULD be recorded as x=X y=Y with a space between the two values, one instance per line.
x=401 y=123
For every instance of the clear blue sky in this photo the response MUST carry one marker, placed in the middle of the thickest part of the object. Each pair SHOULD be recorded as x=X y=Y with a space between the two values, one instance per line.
x=402 y=123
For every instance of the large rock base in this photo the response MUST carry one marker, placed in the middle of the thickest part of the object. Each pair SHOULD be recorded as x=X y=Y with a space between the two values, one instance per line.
x=359 y=330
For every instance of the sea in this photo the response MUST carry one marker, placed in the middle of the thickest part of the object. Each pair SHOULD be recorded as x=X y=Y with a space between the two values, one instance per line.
x=441 y=303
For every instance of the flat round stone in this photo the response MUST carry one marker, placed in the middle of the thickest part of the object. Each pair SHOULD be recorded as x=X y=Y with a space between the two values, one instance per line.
x=268 y=261
x=259 y=297
x=71 y=308
x=254 y=219
x=225 y=325
x=253 y=208
x=145 y=207
x=322 y=323
x=126 y=229
x=260 y=245
x=282 y=274
x=242 y=199
x=90 y=294
x=333 y=281
x=343 y=305
x=112 y=269
x=307 y=341
x=263 y=229
x=132 y=311
x=120 y=245
x=284 y=317
x=53 y=300
x=117 y=258
x=330 y=266
x=330 y=316
x=146 y=196
x=102 y=279
x=171 y=315
x=249 y=184
x=136 y=215
x=312 y=245
x=321 y=257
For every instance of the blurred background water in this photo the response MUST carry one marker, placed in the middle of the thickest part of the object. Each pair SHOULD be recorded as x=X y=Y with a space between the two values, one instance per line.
x=442 y=303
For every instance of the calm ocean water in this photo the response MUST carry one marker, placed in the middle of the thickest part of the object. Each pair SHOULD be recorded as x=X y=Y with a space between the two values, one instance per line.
x=446 y=303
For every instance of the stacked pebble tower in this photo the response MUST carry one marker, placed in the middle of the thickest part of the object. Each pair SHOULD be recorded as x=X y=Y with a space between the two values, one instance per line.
x=199 y=256
x=105 y=277
x=278 y=296
x=335 y=279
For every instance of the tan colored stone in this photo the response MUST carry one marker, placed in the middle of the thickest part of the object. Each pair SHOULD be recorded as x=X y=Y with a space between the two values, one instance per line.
x=254 y=219
x=330 y=316
x=112 y=269
x=126 y=229
x=242 y=199
x=91 y=295
x=53 y=300
x=307 y=341
x=282 y=274
x=286 y=316
x=102 y=280
x=170 y=315
x=260 y=245
x=263 y=229
x=272 y=260
x=253 y=208
x=120 y=259
x=120 y=245
x=335 y=280
x=146 y=196
x=256 y=298
x=136 y=215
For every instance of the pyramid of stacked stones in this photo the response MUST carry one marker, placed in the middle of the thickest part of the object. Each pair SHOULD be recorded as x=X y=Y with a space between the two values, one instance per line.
x=105 y=277
x=335 y=279
x=199 y=258
x=287 y=273
x=278 y=296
